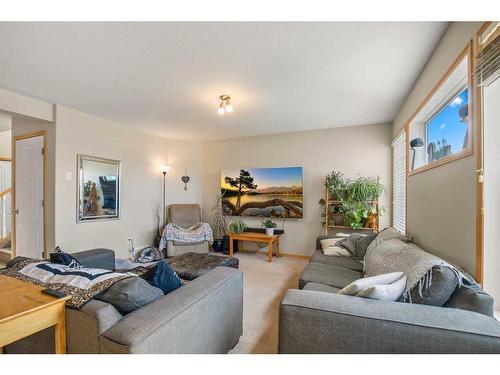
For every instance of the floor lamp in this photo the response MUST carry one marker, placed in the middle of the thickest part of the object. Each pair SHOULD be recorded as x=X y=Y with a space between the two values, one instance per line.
x=164 y=169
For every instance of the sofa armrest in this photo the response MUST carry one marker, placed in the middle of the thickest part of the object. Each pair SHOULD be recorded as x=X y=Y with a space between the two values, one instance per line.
x=204 y=316
x=319 y=322
x=96 y=258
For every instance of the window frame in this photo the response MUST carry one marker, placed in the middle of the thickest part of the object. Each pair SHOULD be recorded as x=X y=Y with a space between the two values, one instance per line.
x=468 y=151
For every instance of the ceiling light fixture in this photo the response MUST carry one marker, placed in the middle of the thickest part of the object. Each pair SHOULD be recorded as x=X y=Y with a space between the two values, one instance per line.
x=225 y=105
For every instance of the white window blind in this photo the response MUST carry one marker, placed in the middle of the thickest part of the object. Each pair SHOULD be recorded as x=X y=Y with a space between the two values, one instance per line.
x=399 y=182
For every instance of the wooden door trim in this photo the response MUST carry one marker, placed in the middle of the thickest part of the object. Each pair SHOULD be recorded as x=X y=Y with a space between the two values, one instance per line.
x=479 y=165
x=43 y=134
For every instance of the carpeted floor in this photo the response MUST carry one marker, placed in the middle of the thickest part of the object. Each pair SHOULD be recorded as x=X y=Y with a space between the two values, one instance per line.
x=264 y=284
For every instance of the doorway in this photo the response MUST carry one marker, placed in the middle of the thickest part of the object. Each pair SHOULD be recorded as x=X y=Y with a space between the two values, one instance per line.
x=29 y=177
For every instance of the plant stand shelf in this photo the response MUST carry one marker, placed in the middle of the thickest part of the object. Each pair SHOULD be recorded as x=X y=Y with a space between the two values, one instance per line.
x=329 y=223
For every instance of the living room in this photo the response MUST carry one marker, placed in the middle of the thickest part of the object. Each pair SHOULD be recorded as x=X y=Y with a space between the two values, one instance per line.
x=187 y=188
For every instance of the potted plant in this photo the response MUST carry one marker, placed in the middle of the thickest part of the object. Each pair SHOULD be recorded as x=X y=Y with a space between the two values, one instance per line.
x=219 y=224
x=337 y=185
x=355 y=213
x=269 y=225
x=237 y=226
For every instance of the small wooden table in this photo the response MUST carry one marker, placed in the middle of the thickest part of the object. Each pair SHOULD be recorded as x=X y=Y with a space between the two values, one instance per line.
x=256 y=237
x=25 y=310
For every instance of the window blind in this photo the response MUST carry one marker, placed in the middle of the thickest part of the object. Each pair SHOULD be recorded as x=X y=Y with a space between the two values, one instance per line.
x=399 y=182
x=488 y=63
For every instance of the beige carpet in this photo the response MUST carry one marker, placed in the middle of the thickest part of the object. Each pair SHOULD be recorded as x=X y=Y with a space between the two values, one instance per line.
x=264 y=284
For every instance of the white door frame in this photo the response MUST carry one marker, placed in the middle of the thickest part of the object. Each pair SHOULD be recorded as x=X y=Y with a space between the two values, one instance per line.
x=43 y=134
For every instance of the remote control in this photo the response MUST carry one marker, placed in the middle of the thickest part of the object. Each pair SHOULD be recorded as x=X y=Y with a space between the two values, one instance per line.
x=53 y=293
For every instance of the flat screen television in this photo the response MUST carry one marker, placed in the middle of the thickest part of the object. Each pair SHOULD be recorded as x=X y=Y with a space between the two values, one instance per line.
x=262 y=192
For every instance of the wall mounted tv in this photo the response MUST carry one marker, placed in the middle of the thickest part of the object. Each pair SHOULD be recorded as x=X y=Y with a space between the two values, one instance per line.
x=262 y=192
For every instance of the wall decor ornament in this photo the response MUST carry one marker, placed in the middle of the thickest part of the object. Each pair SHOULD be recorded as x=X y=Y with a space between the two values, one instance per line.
x=185 y=179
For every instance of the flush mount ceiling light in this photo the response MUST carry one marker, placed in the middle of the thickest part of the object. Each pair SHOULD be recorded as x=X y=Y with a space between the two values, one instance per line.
x=225 y=105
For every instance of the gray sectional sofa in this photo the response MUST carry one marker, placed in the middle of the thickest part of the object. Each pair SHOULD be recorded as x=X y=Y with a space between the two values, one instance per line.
x=315 y=319
x=204 y=316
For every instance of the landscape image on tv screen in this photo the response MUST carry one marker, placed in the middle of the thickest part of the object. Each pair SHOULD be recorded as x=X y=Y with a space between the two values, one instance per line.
x=262 y=192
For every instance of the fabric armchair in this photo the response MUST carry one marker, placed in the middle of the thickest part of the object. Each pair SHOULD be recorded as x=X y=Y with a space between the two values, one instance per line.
x=185 y=215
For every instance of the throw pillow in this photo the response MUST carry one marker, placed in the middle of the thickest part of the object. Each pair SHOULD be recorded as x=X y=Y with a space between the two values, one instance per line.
x=388 y=292
x=61 y=257
x=330 y=248
x=357 y=286
x=357 y=244
x=438 y=290
x=130 y=294
x=163 y=276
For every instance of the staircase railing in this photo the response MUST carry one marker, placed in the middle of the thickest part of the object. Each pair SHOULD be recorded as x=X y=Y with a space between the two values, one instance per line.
x=5 y=214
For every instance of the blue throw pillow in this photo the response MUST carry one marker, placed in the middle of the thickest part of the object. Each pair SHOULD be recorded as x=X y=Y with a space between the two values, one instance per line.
x=60 y=257
x=163 y=276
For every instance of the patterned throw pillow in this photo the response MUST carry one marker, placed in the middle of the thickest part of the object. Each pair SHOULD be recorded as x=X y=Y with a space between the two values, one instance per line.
x=60 y=257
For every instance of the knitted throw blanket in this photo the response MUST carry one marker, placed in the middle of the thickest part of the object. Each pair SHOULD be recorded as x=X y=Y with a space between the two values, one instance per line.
x=196 y=233
x=81 y=283
x=395 y=255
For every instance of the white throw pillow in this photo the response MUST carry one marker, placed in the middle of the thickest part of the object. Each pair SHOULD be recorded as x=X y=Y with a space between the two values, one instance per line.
x=330 y=248
x=357 y=286
x=389 y=292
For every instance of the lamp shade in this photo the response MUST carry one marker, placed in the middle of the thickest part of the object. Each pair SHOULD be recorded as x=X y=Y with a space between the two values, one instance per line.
x=164 y=168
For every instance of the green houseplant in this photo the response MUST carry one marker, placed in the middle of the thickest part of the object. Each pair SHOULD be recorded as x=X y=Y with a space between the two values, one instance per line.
x=237 y=226
x=337 y=185
x=356 y=197
x=269 y=225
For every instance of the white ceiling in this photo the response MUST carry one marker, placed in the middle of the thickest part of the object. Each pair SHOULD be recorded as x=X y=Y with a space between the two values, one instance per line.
x=166 y=78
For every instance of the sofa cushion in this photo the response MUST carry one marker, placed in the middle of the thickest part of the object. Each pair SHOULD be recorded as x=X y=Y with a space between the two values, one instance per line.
x=344 y=262
x=130 y=294
x=327 y=274
x=321 y=288
x=97 y=258
x=471 y=298
x=179 y=243
x=443 y=284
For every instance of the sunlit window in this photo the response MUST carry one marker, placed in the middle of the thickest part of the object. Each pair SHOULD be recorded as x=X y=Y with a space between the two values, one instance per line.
x=440 y=130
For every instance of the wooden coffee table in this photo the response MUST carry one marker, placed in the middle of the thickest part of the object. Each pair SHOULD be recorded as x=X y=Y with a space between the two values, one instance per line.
x=256 y=237
x=25 y=310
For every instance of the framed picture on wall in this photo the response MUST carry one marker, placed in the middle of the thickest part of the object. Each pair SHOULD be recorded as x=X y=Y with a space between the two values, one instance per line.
x=98 y=188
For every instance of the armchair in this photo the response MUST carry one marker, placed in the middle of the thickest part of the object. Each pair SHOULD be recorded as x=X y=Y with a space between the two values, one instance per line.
x=185 y=215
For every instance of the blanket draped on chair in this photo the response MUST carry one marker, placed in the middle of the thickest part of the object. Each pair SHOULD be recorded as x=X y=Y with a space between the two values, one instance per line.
x=195 y=233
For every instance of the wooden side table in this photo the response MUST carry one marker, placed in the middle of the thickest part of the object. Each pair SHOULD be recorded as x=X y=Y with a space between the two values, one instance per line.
x=25 y=310
x=256 y=237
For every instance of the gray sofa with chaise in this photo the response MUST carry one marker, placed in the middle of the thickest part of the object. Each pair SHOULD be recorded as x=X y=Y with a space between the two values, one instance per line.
x=315 y=319
x=203 y=316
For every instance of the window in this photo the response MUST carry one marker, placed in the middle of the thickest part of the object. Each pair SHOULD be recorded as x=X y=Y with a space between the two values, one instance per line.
x=440 y=130
x=399 y=182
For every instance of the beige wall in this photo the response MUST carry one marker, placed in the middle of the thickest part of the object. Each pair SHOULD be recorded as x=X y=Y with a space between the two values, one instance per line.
x=140 y=154
x=441 y=211
x=491 y=197
x=17 y=104
x=357 y=149
x=22 y=126
x=6 y=143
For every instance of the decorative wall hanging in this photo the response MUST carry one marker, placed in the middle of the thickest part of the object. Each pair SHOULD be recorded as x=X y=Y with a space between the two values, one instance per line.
x=185 y=179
